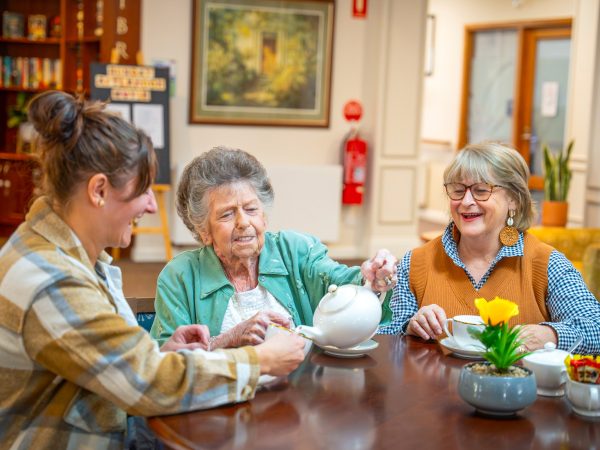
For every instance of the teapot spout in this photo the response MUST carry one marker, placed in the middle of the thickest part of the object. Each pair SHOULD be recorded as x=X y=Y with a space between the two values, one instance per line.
x=311 y=333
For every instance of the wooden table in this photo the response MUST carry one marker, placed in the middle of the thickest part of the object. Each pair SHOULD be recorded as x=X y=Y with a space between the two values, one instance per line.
x=403 y=395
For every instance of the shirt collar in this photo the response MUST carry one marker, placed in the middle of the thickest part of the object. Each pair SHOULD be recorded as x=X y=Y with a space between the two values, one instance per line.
x=270 y=263
x=44 y=221
x=451 y=237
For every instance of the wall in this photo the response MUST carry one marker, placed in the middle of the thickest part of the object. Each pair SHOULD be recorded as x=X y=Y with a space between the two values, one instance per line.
x=374 y=61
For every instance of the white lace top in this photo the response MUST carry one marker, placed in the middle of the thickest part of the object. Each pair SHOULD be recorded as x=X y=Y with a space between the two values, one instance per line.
x=243 y=305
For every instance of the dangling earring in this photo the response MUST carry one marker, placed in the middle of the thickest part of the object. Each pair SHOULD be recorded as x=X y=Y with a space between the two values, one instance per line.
x=509 y=234
x=101 y=202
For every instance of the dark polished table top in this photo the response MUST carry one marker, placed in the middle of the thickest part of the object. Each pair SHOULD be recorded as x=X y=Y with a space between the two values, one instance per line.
x=402 y=395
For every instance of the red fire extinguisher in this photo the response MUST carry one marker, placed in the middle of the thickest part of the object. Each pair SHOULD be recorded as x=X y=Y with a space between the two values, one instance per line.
x=355 y=170
x=355 y=159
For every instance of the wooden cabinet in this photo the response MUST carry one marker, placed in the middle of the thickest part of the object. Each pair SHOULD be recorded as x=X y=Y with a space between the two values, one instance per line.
x=55 y=52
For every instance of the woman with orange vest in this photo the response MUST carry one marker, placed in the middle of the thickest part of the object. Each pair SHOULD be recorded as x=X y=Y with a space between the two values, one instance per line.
x=486 y=251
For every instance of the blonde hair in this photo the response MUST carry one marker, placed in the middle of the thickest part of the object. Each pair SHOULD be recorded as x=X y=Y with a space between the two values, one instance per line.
x=498 y=164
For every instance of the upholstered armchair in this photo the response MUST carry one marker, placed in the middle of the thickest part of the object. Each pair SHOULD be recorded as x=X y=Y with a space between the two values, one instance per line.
x=580 y=245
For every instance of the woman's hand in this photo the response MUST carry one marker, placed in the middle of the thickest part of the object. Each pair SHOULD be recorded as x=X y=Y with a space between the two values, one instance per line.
x=535 y=336
x=280 y=354
x=188 y=337
x=249 y=332
x=380 y=271
x=428 y=322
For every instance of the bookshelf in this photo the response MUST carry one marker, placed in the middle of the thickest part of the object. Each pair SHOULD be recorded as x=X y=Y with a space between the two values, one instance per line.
x=49 y=44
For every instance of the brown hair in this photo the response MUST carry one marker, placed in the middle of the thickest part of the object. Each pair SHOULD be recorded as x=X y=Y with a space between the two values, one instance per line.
x=78 y=138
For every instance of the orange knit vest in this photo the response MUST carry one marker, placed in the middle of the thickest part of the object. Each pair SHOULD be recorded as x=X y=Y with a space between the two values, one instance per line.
x=434 y=278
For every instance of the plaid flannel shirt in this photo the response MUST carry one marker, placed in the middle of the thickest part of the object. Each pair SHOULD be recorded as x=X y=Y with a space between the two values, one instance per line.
x=72 y=367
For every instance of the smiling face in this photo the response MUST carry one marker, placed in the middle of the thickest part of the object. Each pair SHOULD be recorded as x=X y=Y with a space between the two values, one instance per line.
x=121 y=211
x=236 y=223
x=481 y=219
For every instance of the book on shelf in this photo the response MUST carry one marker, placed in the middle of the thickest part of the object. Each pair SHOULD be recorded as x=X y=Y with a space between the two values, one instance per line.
x=30 y=73
x=36 y=26
x=13 y=25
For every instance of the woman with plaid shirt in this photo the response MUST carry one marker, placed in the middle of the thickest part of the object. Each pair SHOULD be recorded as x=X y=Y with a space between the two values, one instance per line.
x=73 y=362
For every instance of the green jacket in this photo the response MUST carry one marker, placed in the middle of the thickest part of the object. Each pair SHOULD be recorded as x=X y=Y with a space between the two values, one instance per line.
x=293 y=267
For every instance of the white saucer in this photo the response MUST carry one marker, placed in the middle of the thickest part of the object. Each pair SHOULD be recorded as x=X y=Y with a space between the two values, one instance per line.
x=353 y=352
x=462 y=352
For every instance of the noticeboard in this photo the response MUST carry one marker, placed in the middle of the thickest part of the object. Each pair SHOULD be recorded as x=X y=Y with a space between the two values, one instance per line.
x=141 y=95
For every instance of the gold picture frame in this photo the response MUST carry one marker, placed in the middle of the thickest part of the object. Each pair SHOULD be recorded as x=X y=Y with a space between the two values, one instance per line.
x=261 y=62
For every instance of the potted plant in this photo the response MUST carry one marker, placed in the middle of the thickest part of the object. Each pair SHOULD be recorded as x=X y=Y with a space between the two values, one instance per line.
x=17 y=118
x=497 y=387
x=557 y=180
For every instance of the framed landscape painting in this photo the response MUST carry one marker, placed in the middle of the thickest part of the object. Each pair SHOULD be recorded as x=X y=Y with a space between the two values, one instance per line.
x=261 y=62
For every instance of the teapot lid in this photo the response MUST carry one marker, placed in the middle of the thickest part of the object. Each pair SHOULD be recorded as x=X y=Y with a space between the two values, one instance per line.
x=338 y=297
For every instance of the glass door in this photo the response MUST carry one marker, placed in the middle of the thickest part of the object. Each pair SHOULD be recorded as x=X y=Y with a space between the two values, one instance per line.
x=546 y=69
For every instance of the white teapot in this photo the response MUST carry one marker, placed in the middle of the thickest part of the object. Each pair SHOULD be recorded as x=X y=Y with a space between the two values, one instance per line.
x=346 y=316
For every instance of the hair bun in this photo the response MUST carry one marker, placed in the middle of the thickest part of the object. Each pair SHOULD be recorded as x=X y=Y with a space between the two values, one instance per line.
x=57 y=117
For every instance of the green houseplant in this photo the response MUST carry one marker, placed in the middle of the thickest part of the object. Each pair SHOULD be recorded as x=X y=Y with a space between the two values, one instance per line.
x=17 y=113
x=497 y=387
x=17 y=118
x=557 y=181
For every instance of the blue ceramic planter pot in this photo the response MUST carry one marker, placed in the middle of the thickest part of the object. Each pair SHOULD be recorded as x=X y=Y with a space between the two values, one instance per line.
x=496 y=395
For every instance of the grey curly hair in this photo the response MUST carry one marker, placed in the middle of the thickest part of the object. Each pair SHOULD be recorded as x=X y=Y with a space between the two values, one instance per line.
x=218 y=167
x=496 y=163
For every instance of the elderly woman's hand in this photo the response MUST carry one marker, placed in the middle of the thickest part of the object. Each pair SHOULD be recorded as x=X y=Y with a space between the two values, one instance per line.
x=249 y=332
x=380 y=271
x=428 y=322
x=188 y=337
x=535 y=336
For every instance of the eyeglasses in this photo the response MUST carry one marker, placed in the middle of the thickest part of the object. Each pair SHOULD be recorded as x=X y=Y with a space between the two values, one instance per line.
x=480 y=191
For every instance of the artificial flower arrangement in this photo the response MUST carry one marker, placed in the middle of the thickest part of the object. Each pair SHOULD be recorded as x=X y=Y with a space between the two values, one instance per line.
x=501 y=341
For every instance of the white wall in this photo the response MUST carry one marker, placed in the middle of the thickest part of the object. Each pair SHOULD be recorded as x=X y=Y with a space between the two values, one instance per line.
x=362 y=50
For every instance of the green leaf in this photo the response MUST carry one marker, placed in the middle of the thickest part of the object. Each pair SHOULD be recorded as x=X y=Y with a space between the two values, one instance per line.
x=557 y=173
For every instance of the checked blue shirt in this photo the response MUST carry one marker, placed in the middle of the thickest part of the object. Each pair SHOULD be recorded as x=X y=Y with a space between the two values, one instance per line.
x=573 y=309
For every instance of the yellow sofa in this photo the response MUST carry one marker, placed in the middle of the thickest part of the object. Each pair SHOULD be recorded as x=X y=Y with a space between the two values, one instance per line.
x=580 y=245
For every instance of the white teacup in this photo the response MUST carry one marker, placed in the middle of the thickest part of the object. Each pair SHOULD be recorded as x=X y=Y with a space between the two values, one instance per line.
x=273 y=330
x=550 y=371
x=460 y=330
x=584 y=398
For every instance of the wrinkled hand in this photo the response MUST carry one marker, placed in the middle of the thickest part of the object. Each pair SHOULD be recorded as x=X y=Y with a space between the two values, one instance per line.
x=188 y=337
x=280 y=354
x=428 y=322
x=251 y=331
x=535 y=336
x=380 y=271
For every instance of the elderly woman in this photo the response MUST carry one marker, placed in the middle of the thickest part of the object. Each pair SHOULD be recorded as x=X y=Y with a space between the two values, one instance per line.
x=487 y=252
x=73 y=361
x=242 y=277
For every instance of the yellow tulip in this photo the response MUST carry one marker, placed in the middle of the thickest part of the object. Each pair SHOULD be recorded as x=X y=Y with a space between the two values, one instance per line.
x=496 y=311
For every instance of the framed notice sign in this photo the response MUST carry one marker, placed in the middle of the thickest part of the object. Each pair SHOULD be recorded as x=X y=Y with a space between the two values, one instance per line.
x=141 y=95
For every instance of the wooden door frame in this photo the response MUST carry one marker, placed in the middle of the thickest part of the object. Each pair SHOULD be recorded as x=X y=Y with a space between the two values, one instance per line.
x=528 y=32
x=522 y=125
